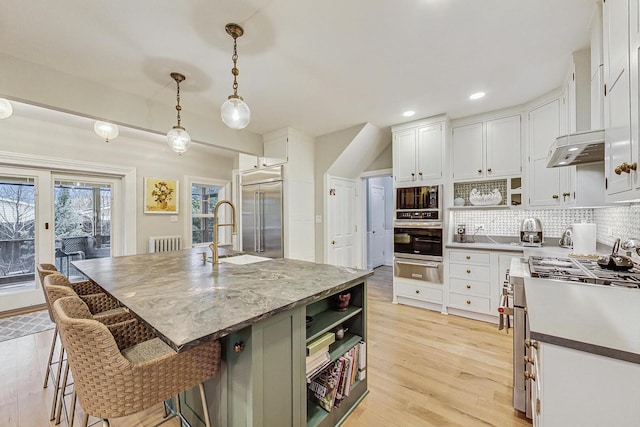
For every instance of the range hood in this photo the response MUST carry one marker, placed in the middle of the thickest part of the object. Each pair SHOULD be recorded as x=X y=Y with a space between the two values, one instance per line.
x=577 y=149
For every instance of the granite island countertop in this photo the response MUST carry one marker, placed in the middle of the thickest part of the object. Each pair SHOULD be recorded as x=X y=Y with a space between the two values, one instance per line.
x=186 y=301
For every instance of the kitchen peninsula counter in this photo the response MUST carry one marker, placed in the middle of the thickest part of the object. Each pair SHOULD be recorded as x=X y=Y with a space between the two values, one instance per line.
x=186 y=301
x=597 y=319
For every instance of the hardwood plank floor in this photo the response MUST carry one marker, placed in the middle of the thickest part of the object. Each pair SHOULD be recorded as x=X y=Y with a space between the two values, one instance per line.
x=425 y=369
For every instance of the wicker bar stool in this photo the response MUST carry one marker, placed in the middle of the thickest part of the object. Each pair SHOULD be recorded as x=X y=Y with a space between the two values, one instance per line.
x=98 y=302
x=109 y=317
x=115 y=378
x=81 y=288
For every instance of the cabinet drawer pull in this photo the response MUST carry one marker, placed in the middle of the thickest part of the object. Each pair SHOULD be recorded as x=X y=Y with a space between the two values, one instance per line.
x=531 y=343
x=468 y=271
x=417 y=291
x=468 y=256
x=238 y=347
x=528 y=360
x=555 y=196
x=529 y=376
x=489 y=170
x=468 y=301
x=420 y=173
x=468 y=286
x=479 y=170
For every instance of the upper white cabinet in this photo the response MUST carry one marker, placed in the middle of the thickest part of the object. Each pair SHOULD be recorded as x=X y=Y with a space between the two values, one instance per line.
x=418 y=152
x=489 y=149
x=620 y=153
x=597 y=70
x=275 y=149
x=547 y=186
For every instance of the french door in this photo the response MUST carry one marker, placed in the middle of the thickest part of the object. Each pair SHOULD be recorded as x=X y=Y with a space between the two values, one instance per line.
x=25 y=202
x=53 y=218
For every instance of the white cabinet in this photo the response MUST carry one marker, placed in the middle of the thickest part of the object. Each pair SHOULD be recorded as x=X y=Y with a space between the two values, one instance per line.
x=275 y=150
x=418 y=153
x=487 y=149
x=597 y=70
x=576 y=388
x=475 y=282
x=621 y=92
x=547 y=186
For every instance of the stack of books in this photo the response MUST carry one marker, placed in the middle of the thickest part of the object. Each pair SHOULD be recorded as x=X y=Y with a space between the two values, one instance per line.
x=318 y=354
x=334 y=383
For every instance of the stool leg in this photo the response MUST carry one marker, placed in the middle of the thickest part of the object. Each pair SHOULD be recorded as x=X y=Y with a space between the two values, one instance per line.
x=53 y=349
x=105 y=423
x=63 y=388
x=55 y=391
x=205 y=408
x=73 y=407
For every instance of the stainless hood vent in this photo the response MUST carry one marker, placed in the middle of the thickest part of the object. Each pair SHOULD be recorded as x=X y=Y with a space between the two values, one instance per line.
x=577 y=149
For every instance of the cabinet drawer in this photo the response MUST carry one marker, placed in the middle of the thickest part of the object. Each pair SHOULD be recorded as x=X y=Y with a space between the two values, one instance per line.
x=470 y=287
x=419 y=292
x=470 y=257
x=471 y=303
x=480 y=273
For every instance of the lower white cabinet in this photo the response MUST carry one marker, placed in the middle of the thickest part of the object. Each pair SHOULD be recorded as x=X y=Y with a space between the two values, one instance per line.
x=576 y=388
x=475 y=281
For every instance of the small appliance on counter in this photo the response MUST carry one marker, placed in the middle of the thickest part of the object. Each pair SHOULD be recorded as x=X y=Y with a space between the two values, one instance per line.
x=531 y=232
x=461 y=233
x=566 y=240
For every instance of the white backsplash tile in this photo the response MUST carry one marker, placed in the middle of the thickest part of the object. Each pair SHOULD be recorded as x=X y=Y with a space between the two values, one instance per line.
x=624 y=221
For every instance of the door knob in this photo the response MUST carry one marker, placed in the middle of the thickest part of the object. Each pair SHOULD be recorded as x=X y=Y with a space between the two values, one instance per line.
x=333 y=242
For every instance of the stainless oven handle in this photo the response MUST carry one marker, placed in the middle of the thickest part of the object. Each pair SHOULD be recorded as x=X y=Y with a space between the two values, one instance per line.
x=419 y=239
x=420 y=264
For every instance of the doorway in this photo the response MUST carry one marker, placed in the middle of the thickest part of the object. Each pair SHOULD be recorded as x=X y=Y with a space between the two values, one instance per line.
x=377 y=218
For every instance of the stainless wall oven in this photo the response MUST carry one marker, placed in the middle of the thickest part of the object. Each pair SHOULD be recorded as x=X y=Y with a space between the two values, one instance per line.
x=417 y=249
x=418 y=240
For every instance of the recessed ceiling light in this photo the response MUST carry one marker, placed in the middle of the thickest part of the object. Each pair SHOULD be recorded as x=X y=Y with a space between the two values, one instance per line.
x=476 y=95
x=408 y=113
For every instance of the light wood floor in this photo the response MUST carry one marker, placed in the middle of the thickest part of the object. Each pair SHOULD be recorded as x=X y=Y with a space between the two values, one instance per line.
x=425 y=369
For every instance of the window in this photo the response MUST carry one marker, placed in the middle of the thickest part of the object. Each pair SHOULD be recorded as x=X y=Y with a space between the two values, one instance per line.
x=203 y=200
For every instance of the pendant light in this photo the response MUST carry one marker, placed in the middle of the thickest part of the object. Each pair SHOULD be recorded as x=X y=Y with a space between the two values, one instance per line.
x=178 y=138
x=235 y=112
x=6 y=109
x=108 y=131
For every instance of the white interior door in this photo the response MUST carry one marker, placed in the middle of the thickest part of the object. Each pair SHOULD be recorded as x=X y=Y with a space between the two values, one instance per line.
x=341 y=222
x=376 y=229
x=26 y=235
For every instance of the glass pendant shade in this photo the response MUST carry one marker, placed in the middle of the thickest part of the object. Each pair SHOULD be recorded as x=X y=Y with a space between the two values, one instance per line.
x=235 y=113
x=108 y=131
x=179 y=140
x=6 y=109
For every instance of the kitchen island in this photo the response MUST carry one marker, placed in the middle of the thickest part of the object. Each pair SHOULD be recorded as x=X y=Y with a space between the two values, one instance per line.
x=257 y=310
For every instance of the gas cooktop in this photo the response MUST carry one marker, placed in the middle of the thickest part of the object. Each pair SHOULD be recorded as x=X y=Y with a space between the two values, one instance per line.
x=582 y=270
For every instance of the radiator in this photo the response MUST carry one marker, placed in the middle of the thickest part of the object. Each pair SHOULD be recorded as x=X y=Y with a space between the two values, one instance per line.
x=165 y=243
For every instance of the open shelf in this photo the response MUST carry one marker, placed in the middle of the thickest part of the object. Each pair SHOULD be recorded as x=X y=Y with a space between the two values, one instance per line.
x=328 y=319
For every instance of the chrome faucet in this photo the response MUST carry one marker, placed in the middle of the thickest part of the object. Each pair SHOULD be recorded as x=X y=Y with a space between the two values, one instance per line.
x=214 y=245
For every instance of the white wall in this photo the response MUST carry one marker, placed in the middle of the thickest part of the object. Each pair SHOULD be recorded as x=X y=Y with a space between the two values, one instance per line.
x=147 y=153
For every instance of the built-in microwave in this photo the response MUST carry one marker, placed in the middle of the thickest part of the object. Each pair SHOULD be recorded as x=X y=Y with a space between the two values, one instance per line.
x=419 y=203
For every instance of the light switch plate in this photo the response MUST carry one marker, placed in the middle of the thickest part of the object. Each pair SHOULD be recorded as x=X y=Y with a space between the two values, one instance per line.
x=174 y=218
x=318 y=219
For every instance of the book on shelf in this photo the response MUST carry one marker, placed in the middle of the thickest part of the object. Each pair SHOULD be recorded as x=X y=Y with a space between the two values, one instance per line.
x=324 y=340
x=324 y=385
x=317 y=361
x=362 y=361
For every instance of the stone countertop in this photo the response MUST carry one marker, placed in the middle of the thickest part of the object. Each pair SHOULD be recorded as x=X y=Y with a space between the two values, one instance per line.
x=597 y=319
x=186 y=301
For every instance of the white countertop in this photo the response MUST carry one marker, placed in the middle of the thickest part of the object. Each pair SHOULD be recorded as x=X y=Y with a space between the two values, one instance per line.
x=596 y=318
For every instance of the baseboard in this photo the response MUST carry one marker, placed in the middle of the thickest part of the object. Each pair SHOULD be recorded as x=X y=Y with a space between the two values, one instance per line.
x=23 y=310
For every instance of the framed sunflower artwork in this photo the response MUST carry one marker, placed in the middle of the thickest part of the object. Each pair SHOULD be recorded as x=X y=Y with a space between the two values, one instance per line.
x=160 y=196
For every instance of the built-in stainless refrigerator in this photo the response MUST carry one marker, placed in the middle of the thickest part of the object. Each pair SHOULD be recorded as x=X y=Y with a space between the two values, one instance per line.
x=262 y=212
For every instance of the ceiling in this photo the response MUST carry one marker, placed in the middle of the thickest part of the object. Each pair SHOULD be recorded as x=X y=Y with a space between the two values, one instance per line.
x=317 y=66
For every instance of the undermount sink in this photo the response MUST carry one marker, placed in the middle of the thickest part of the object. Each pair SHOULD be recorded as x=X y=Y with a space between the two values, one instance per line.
x=243 y=259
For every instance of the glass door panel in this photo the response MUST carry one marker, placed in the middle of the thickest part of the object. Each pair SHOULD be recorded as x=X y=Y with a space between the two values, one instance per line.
x=19 y=235
x=82 y=218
